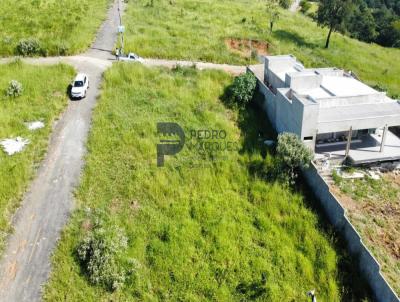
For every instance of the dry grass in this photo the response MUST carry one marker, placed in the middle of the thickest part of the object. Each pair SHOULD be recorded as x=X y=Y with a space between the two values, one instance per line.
x=373 y=207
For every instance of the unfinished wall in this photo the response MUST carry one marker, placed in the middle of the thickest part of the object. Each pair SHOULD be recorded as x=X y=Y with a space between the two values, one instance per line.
x=368 y=266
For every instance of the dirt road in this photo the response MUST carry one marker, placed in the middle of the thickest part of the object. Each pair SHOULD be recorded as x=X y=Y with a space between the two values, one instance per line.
x=45 y=209
x=25 y=265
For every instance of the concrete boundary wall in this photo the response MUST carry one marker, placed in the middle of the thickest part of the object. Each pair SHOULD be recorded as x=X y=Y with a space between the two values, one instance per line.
x=368 y=265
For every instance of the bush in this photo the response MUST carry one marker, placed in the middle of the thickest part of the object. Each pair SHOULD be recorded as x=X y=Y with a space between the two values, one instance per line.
x=285 y=3
x=14 y=89
x=100 y=253
x=293 y=154
x=63 y=49
x=305 y=6
x=242 y=89
x=28 y=47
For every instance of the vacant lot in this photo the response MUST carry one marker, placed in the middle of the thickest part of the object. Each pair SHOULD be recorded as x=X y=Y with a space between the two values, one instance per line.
x=60 y=27
x=199 y=30
x=203 y=227
x=373 y=206
x=43 y=98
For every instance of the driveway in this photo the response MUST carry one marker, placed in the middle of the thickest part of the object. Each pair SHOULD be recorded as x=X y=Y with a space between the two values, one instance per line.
x=45 y=209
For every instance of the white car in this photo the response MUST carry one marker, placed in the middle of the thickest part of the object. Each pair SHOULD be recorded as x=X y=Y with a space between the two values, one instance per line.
x=80 y=86
x=130 y=57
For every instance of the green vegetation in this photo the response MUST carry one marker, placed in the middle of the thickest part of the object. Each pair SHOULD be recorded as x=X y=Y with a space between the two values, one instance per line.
x=373 y=207
x=43 y=98
x=197 y=30
x=332 y=14
x=377 y=21
x=241 y=92
x=49 y=27
x=14 y=89
x=293 y=154
x=99 y=254
x=273 y=13
x=203 y=227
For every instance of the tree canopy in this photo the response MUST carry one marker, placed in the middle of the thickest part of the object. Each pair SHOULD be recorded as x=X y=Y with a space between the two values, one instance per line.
x=332 y=14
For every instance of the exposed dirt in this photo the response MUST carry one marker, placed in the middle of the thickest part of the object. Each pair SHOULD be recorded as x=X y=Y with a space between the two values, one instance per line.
x=377 y=218
x=246 y=47
x=347 y=202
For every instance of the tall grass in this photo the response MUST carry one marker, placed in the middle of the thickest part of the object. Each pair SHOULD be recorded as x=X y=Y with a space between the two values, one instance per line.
x=197 y=29
x=60 y=27
x=199 y=229
x=44 y=97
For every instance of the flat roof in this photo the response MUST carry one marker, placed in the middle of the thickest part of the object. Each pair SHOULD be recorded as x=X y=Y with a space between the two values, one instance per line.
x=355 y=112
x=315 y=93
x=335 y=83
x=343 y=86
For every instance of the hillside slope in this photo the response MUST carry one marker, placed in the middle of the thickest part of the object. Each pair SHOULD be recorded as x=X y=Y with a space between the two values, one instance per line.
x=199 y=29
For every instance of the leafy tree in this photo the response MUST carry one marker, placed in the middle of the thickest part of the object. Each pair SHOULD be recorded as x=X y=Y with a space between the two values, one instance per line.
x=388 y=27
x=333 y=13
x=273 y=13
x=362 y=25
x=293 y=154
x=242 y=89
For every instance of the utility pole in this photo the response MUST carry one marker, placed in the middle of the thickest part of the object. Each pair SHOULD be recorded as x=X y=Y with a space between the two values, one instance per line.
x=121 y=28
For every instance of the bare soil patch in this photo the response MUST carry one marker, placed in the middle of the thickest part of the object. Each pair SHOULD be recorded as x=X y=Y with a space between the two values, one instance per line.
x=376 y=216
x=247 y=47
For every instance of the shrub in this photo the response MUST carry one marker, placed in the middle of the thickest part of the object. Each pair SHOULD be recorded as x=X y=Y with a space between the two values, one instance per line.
x=14 y=89
x=100 y=253
x=285 y=3
x=63 y=49
x=242 y=89
x=28 y=47
x=305 y=6
x=293 y=154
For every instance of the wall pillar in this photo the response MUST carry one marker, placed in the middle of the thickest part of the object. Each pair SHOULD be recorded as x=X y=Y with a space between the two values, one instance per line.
x=349 y=142
x=383 y=138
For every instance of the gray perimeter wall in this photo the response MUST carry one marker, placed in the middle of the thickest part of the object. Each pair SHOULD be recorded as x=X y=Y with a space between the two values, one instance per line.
x=368 y=265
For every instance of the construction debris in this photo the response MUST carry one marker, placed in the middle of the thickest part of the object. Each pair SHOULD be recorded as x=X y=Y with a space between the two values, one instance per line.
x=34 y=125
x=14 y=145
x=350 y=175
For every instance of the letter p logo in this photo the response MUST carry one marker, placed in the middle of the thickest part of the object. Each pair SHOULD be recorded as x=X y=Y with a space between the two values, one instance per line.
x=169 y=146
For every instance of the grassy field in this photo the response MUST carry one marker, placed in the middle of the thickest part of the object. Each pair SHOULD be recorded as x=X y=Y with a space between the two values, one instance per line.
x=61 y=27
x=44 y=97
x=198 y=29
x=204 y=226
x=373 y=207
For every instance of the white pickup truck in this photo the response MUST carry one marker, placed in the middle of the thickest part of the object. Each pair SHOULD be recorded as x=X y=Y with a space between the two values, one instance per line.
x=130 y=57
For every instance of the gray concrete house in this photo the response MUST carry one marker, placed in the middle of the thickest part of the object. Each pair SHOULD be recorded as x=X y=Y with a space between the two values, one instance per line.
x=330 y=110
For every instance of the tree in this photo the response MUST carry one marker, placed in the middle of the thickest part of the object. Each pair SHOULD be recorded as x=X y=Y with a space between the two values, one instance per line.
x=242 y=89
x=333 y=13
x=273 y=13
x=361 y=24
x=293 y=154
